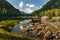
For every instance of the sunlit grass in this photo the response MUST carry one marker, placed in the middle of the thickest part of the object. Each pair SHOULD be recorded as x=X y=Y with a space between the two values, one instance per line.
x=4 y=35
x=8 y=22
x=54 y=29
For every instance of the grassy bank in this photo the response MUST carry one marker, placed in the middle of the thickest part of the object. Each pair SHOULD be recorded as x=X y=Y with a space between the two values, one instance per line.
x=8 y=24
x=4 y=35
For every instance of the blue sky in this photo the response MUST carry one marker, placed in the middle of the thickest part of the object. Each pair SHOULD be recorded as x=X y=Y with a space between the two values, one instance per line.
x=28 y=6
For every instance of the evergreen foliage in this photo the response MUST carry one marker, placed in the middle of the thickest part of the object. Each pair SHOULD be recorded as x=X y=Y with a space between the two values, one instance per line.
x=51 y=8
x=6 y=9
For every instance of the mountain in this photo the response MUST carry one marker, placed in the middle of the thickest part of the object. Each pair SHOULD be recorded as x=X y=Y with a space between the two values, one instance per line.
x=6 y=9
x=24 y=13
x=51 y=5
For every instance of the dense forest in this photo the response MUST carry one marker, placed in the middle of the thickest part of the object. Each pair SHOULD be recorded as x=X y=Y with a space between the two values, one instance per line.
x=51 y=8
x=6 y=9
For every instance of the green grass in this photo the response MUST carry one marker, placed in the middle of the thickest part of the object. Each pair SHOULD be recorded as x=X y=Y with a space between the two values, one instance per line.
x=4 y=35
x=8 y=24
x=54 y=29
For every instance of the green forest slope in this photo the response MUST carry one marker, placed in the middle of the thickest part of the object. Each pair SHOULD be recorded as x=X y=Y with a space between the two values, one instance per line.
x=6 y=9
x=51 y=7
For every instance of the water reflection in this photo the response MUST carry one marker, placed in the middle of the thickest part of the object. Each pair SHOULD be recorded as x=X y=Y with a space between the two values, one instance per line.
x=20 y=27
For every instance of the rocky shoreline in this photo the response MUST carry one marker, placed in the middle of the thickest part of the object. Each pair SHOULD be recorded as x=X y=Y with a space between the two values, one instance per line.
x=45 y=31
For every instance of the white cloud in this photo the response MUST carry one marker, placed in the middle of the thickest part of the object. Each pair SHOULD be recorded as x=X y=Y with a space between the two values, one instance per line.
x=14 y=6
x=27 y=4
x=28 y=10
x=21 y=4
x=40 y=6
x=30 y=5
x=21 y=10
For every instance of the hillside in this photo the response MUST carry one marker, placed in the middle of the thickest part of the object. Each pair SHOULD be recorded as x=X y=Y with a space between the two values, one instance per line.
x=50 y=5
x=6 y=9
